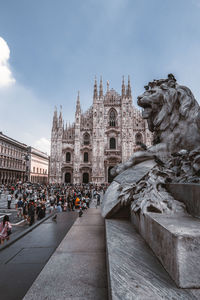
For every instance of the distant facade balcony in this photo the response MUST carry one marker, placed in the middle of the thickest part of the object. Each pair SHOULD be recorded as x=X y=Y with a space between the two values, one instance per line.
x=85 y=164
x=110 y=152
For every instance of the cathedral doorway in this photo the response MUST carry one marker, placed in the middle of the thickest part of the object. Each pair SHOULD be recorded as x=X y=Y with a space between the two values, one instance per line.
x=67 y=178
x=110 y=177
x=85 y=178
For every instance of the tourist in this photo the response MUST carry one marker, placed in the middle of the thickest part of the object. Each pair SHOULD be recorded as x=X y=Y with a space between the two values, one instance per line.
x=25 y=209
x=9 y=199
x=31 y=213
x=98 y=199
x=80 y=212
x=20 y=208
x=5 y=229
x=41 y=212
x=59 y=208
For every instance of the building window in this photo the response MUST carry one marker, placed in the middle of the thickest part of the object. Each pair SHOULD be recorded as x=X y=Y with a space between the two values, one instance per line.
x=67 y=178
x=86 y=139
x=85 y=177
x=33 y=169
x=112 y=143
x=37 y=170
x=85 y=157
x=138 y=138
x=68 y=157
x=112 y=118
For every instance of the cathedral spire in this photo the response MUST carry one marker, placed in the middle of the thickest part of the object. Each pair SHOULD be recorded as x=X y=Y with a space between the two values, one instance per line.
x=60 y=117
x=55 y=119
x=78 y=105
x=108 y=86
x=123 y=87
x=95 y=89
x=128 y=91
x=101 y=88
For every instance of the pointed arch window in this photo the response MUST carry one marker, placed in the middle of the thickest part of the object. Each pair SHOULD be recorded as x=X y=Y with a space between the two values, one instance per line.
x=112 y=118
x=68 y=157
x=86 y=139
x=85 y=158
x=138 y=138
x=112 y=143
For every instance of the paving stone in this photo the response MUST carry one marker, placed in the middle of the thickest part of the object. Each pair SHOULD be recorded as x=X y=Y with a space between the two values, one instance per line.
x=77 y=269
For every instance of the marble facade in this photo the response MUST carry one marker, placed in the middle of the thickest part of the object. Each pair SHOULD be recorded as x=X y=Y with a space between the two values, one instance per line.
x=105 y=135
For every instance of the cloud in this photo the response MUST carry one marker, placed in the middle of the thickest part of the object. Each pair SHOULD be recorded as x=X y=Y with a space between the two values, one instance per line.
x=6 y=77
x=43 y=144
x=24 y=117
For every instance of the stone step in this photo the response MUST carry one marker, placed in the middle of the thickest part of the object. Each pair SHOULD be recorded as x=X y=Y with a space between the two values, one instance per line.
x=134 y=272
x=175 y=240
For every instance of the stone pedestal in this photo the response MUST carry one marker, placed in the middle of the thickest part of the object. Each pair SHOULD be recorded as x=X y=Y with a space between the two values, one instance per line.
x=176 y=242
x=187 y=193
x=134 y=272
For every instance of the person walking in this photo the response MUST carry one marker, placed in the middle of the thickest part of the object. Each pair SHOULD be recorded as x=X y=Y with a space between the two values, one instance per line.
x=98 y=199
x=5 y=229
x=9 y=199
x=25 y=209
x=20 y=208
x=31 y=213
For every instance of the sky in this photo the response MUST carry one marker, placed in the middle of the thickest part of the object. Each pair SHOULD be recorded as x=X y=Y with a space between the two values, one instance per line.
x=51 y=49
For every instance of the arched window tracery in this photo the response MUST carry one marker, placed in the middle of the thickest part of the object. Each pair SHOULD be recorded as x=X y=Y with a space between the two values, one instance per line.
x=85 y=157
x=112 y=118
x=138 y=138
x=86 y=138
x=68 y=157
x=112 y=143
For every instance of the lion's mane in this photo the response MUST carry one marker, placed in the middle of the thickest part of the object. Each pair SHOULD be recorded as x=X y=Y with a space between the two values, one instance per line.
x=173 y=114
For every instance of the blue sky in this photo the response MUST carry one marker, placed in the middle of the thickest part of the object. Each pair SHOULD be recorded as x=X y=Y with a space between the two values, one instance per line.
x=58 y=46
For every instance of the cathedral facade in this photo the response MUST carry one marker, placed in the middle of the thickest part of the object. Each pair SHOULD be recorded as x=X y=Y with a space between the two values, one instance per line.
x=106 y=134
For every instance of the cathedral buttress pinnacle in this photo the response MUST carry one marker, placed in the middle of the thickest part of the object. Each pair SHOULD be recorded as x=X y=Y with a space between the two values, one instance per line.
x=78 y=105
x=95 y=95
x=55 y=119
x=60 y=118
x=108 y=86
x=123 y=88
x=128 y=91
x=101 y=88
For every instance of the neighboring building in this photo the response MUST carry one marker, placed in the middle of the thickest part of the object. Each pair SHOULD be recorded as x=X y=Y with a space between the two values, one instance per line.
x=100 y=138
x=12 y=160
x=38 y=166
x=18 y=162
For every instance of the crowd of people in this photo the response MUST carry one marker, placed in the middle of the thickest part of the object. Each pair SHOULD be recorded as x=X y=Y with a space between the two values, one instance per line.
x=32 y=200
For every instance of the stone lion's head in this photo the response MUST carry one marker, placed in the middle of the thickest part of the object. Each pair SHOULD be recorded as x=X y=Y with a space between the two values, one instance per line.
x=172 y=113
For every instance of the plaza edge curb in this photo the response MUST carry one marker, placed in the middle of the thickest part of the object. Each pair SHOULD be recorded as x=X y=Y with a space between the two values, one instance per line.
x=25 y=232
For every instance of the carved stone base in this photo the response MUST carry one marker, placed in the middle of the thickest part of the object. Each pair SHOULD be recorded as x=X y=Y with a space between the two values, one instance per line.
x=176 y=242
x=134 y=272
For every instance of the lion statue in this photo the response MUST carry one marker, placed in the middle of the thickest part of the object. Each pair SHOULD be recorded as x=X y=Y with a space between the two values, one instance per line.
x=173 y=115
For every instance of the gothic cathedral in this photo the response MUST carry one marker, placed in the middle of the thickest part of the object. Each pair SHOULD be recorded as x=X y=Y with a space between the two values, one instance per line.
x=106 y=134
